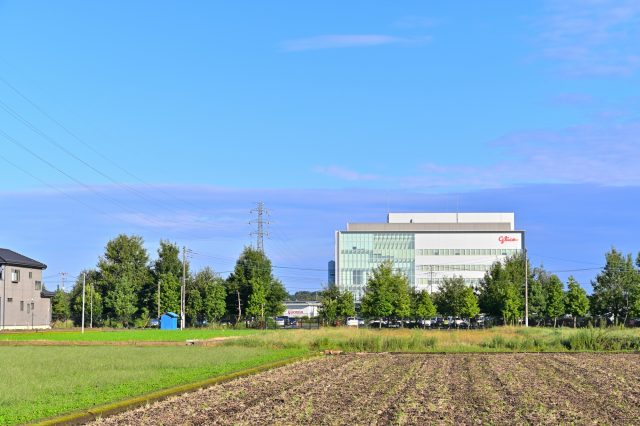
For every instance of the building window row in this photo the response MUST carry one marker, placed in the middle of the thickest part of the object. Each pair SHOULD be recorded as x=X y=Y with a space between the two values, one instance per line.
x=466 y=252
x=446 y=268
x=439 y=281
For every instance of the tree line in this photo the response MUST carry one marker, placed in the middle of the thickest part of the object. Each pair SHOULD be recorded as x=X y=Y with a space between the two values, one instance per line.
x=127 y=288
x=501 y=294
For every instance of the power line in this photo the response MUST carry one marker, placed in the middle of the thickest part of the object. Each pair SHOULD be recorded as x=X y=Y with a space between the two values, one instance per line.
x=86 y=144
x=71 y=154
x=79 y=182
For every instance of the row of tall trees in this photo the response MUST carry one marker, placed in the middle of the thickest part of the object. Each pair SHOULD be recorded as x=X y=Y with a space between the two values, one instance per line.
x=616 y=291
x=501 y=293
x=127 y=288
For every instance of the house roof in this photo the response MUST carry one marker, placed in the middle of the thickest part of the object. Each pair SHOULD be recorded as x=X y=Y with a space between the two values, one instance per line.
x=47 y=294
x=10 y=257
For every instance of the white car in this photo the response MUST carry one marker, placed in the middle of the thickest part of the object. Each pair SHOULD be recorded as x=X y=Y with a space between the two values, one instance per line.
x=353 y=322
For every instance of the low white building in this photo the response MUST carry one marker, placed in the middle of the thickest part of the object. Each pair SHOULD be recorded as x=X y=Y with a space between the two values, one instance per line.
x=298 y=309
x=426 y=247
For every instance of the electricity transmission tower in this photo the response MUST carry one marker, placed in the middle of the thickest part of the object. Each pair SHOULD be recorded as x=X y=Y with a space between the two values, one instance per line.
x=260 y=221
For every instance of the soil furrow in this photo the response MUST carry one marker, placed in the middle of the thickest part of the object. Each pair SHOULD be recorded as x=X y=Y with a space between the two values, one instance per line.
x=457 y=389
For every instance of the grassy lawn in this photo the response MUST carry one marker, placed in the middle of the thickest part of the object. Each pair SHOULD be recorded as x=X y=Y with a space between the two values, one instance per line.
x=39 y=382
x=97 y=335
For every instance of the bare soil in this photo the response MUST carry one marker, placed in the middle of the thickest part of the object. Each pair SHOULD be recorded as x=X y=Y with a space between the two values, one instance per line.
x=416 y=389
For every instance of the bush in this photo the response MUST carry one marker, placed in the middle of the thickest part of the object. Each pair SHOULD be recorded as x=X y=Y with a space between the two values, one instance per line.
x=594 y=339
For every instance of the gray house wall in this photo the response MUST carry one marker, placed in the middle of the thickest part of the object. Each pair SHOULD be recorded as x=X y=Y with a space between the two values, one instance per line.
x=21 y=303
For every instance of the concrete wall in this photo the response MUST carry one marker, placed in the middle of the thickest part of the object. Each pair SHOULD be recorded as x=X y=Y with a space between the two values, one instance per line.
x=18 y=298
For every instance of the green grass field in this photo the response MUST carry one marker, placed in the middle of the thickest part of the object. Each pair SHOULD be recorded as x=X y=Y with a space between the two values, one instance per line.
x=39 y=382
x=498 y=339
x=148 y=335
x=42 y=381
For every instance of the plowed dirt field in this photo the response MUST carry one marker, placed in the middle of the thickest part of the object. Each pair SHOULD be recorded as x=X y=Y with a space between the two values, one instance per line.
x=419 y=390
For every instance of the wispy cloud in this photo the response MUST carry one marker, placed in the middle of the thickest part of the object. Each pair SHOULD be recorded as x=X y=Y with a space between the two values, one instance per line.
x=593 y=37
x=348 y=40
x=344 y=173
x=604 y=152
x=601 y=154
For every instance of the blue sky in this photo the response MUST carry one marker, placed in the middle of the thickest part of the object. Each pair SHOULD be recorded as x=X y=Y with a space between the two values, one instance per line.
x=171 y=119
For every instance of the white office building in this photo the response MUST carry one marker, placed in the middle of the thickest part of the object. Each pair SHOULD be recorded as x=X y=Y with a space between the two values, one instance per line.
x=426 y=247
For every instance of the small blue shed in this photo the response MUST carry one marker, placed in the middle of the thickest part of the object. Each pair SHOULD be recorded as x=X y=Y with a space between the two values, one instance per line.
x=169 y=321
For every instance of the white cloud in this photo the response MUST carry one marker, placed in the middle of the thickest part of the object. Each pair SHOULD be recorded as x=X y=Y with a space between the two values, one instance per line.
x=602 y=154
x=347 y=40
x=593 y=37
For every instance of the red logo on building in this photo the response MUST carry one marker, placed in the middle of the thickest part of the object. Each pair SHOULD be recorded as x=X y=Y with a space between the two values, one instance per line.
x=506 y=239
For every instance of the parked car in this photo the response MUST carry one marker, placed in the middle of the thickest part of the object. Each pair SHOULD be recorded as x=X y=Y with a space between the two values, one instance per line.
x=292 y=322
x=352 y=322
x=281 y=321
x=425 y=323
x=153 y=323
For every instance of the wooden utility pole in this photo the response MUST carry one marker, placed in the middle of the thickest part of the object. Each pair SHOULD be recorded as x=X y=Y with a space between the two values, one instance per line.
x=84 y=279
x=91 y=304
x=526 y=290
x=159 y=299
x=184 y=285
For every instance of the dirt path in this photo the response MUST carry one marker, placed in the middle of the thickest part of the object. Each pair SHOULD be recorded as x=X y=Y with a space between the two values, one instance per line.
x=417 y=389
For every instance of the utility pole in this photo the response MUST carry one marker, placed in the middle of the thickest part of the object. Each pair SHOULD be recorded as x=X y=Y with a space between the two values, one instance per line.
x=159 y=298
x=526 y=289
x=184 y=285
x=84 y=280
x=91 y=304
x=239 y=307
x=260 y=233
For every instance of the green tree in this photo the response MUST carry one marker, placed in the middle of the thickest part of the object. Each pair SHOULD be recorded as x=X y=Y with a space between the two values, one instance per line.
x=576 y=300
x=537 y=300
x=617 y=287
x=401 y=296
x=253 y=271
x=257 y=299
x=213 y=294
x=124 y=276
x=469 y=305
x=555 y=299
x=377 y=301
x=276 y=295
x=329 y=307
x=60 y=310
x=168 y=261
x=346 y=306
x=456 y=299
x=512 y=304
x=502 y=279
x=170 y=287
x=121 y=300
x=423 y=305
x=167 y=274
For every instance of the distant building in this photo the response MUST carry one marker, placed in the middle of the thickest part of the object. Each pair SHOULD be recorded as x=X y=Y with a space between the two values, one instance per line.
x=331 y=270
x=426 y=247
x=297 y=309
x=24 y=302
